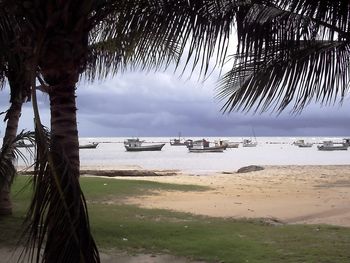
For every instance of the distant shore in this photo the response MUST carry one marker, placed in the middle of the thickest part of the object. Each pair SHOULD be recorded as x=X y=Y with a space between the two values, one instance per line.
x=313 y=194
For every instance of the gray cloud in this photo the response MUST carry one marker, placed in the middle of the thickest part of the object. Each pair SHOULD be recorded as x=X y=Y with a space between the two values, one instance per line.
x=161 y=104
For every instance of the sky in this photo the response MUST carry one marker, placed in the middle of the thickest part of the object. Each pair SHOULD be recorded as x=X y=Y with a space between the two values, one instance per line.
x=140 y=104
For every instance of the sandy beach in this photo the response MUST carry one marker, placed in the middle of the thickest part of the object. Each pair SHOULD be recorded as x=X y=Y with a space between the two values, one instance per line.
x=278 y=194
x=287 y=194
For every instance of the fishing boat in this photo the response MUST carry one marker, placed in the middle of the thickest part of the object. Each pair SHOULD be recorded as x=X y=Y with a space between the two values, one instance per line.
x=305 y=145
x=331 y=146
x=232 y=145
x=136 y=145
x=178 y=141
x=249 y=143
x=347 y=141
x=91 y=145
x=226 y=143
x=197 y=143
x=223 y=143
x=202 y=146
x=302 y=144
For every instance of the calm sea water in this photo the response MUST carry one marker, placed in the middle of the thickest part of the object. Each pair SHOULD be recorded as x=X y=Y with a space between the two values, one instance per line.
x=111 y=154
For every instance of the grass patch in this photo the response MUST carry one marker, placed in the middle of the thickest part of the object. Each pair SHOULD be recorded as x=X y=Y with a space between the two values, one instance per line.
x=136 y=230
x=96 y=189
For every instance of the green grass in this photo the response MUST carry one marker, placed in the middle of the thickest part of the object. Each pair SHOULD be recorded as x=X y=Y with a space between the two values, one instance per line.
x=136 y=230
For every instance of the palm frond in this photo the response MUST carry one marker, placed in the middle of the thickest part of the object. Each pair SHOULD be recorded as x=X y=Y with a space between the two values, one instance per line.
x=289 y=52
x=115 y=55
x=152 y=33
x=58 y=214
x=319 y=74
x=9 y=153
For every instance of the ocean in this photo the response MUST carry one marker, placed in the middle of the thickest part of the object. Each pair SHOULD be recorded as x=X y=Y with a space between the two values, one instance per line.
x=111 y=154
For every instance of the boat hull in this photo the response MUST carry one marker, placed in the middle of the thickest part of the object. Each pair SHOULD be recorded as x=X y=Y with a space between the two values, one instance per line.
x=88 y=146
x=207 y=149
x=306 y=145
x=155 y=147
x=250 y=145
x=233 y=145
x=177 y=144
x=332 y=148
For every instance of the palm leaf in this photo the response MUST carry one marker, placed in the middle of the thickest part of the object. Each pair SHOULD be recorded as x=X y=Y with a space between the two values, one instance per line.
x=154 y=33
x=58 y=206
x=288 y=53
x=9 y=153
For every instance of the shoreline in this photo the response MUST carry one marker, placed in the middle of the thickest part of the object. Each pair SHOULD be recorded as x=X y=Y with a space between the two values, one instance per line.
x=292 y=194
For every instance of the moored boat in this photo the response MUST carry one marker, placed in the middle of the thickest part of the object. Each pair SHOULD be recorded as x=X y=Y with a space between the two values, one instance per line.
x=347 y=141
x=249 y=143
x=331 y=146
x=302 y=144
x=223 y=143
x=232 y=145
x=211 y=149
x=202 y=146
x=135 y=145
x=305 y=145
x=91 y=145
x=178 y=141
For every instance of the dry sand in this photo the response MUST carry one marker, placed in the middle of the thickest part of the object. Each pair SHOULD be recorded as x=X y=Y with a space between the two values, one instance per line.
x=291 y=194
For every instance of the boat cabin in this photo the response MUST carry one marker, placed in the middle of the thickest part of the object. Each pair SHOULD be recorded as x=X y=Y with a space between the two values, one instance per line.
x=200 y=144
x=133 y=142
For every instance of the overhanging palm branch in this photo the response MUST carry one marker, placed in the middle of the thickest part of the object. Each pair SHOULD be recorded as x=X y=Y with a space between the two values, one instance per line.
x=10 y=152
x=154 y=33
x=289 y=52
x=319 y=73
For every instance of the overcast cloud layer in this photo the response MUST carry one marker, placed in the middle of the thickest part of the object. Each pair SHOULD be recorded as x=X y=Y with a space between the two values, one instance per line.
x=162 y=104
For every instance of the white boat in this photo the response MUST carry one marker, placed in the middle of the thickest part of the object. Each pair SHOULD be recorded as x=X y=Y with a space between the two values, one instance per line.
x=197 y=143
x=331 y=146
x=249 y=143
x=298 y=142
x=305 y=145
x=202 y=146
x=226 y=143
x=223 y=143
x=302 y=144
x=91 y=145
x=135 y=145
x=232 y=145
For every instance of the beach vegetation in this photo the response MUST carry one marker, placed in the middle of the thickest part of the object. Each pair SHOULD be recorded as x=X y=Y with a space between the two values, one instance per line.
x=121 y=227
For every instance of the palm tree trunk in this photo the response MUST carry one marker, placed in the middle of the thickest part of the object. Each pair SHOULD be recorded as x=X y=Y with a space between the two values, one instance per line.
x=12 y=117
x=68 y=232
